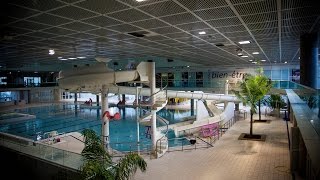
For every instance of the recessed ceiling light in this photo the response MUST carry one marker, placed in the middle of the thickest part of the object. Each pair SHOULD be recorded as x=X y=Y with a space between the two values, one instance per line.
x=263 y=60
x=202 y=32
x=63 y=59
x=254 y=62
x=119 y=69
x=239 y=54
x=285 y=62
x=250 y=60
x=72 y=58
x=81 y=57
x=244 y=56
x=299 y=57
x=140 y=0
x=51 y=51
x=188 y=66
x=244 y=42
x=255 y=53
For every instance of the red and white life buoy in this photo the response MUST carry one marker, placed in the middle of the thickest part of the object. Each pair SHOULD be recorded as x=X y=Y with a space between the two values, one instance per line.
x=116 y=116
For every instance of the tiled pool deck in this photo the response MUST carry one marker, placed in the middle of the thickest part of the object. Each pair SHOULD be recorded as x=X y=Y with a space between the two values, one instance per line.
x=230 y=158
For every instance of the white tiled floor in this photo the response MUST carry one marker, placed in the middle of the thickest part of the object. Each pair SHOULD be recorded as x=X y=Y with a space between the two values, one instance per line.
x=230 y=158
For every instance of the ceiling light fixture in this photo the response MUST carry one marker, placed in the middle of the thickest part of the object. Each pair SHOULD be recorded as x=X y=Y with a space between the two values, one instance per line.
x=202 y=32
x=81 y=57
x=188 y=66
x=250 y=60
x=274 y=61
x=72 y=58
x=244 y=42
x=51 y=51
x=240 y=54
x=254 y=62
x=255 y=53
x=244 y=56
x=59 y=57
x=140 y=0
x=63 y=59
x=263 y=60
x=285 y=62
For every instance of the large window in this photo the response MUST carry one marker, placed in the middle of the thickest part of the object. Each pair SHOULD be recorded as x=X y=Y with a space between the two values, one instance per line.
x=3 y=80
x=5 y=96
x=32 y=81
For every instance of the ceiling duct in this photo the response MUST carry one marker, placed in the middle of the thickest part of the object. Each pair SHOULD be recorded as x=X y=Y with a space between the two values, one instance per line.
x=143 y=34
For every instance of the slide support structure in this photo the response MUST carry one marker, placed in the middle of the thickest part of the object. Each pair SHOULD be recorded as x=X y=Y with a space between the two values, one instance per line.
x=105 y=119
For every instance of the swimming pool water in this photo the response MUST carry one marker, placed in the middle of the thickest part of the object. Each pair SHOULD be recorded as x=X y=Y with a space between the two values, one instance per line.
x=64 y=119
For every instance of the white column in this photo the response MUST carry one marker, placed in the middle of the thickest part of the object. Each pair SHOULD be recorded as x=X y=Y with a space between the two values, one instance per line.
x=226 y=91
x=137 y=116
x=105 y=120
x=153 y=112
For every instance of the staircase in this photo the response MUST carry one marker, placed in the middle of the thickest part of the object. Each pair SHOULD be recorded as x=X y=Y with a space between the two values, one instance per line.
x=160 y=102
x=162 y=146
x=162 y=140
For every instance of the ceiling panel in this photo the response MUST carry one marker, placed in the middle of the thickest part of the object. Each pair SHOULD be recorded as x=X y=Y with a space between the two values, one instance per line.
x=102 y=21
x=180 y=18
x=197 y=5
x=151 y=23
x=129 y=15
x=49 y=19
x=99 y=28
x=216 y=13
x=72 y=12
x=78 y=26
x=163 y=8
x=102 y=6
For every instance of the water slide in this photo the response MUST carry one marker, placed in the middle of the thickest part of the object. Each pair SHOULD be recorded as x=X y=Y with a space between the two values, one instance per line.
x=92 y=78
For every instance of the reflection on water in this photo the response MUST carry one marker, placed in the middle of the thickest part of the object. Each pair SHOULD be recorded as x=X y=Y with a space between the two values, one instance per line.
x=66 y=118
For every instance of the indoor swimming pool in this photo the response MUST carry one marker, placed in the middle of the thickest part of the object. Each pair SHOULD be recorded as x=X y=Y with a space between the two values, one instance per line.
x=64 y=119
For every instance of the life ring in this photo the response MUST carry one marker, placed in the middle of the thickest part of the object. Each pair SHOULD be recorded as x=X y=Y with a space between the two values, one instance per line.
x=116 y=116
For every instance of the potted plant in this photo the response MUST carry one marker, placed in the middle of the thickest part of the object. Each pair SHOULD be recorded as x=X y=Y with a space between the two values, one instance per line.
x=251 y=90
x=98 y=163
x=275 y=102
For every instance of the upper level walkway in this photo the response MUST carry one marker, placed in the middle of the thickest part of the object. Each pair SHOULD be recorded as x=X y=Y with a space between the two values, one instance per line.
x=230 y=158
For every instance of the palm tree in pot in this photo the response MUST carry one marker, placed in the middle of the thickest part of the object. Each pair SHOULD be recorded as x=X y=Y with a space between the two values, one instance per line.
x=275 y=102
x=98 y=163
x=252 y=89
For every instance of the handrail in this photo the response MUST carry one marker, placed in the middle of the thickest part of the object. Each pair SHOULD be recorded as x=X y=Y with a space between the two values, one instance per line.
x=165 y=134
x=204 y=141
x=158 y=91
x=77 y=138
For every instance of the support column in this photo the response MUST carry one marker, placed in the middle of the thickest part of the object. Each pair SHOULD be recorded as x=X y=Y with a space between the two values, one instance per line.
x=76 y=104
x=138 y=127
x=192 y=107
x=309 y=60
x=226 y=91
x=75 y=97
x=153 y=112
x=97 y=99
x=123 y=97
x=105 y=120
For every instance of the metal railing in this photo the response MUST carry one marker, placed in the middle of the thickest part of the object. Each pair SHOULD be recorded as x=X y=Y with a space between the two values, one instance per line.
x=186 y=143
x=165 y=136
